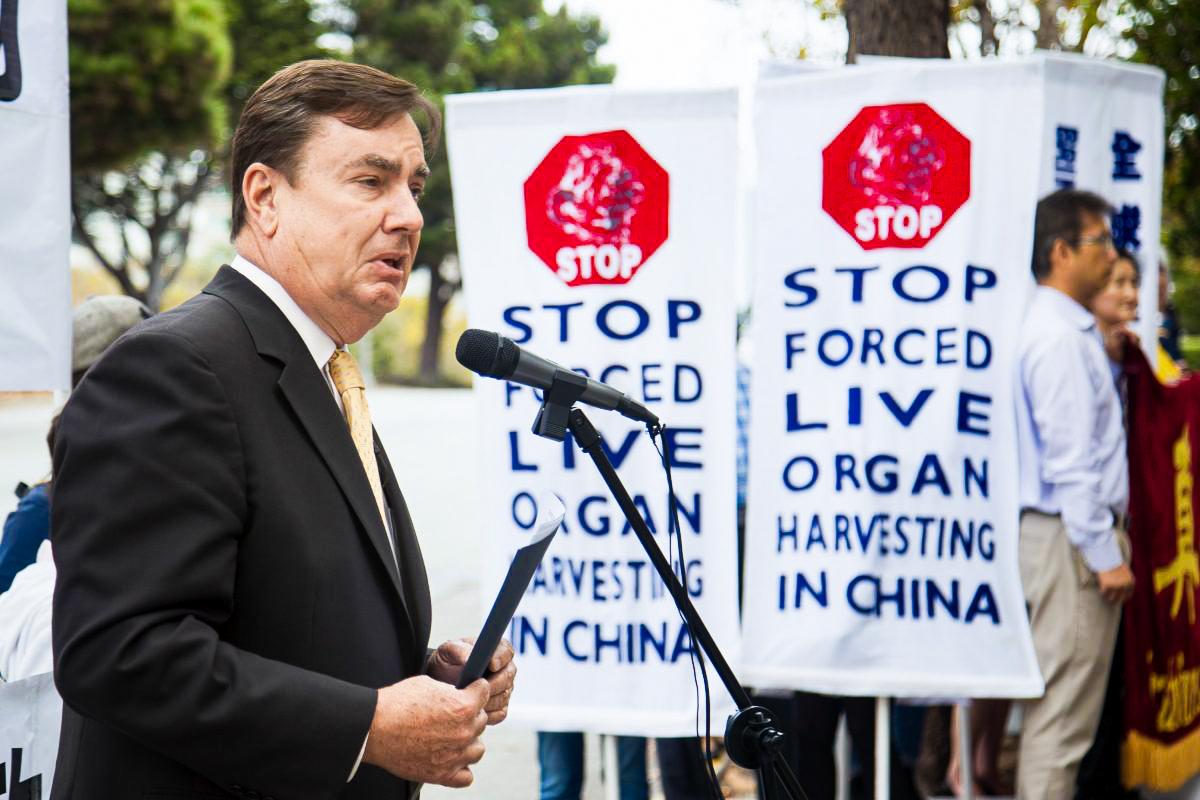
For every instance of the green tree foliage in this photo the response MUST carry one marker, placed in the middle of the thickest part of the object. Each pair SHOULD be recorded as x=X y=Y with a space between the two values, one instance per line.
x=144 y=73
x=155 y=85
x=453 y=46
x=267 y=35
x=1167 y=34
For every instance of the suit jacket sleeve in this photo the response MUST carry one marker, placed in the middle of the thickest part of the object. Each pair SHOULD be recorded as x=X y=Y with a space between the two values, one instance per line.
x=148 y=511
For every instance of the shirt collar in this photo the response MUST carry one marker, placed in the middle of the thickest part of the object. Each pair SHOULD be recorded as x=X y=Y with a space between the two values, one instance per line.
x=1066 y=307
x=319 y=345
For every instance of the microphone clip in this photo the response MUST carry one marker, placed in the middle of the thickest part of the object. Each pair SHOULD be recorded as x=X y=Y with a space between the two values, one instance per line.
x=553 y=417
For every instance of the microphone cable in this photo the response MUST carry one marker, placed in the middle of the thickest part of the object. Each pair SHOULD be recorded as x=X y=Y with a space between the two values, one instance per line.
x=696 y=655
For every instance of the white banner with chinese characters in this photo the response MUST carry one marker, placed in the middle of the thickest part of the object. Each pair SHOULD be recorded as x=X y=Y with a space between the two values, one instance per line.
x=596 y=229
x=35 y=207
x=1103 y=132
x=895 y=224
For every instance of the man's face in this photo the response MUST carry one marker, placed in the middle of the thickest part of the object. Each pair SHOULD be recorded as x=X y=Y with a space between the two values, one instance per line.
x=1091 y=262
x=349 y=224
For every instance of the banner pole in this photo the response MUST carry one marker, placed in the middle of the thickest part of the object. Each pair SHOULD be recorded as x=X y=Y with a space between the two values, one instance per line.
x=966 y=757
x=841 y=750
x=612 y=777
x=883 y=749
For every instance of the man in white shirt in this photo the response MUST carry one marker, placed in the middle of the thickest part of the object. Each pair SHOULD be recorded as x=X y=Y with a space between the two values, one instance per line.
x=1074 y=487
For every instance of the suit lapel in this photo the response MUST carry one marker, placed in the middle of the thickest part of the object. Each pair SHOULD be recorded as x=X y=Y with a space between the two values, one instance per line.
x=412 y=564
x=305 y=390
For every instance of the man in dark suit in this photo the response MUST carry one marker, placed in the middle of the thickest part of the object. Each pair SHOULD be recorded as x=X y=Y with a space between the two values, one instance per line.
x=241 y=607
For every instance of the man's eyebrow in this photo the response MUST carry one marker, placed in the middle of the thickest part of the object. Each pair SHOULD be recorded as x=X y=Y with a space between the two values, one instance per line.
x=384 y=164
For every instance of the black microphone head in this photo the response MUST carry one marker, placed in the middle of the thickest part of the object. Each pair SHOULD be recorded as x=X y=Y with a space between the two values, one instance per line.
x=487 y=353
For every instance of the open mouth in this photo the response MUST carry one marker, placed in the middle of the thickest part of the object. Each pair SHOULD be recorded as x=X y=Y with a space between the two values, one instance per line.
x=394 y=263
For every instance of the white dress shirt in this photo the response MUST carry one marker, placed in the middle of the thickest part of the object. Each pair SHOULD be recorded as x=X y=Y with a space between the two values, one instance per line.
x=1071 y=437
x=321 y=347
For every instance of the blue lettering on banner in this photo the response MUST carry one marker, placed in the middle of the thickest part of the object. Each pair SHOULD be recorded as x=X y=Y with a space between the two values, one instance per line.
x=1125 y=149
x=1126 y=220
x=1066 y=141
x=640 y=319
x=563 y=310
x=978 y=278
x=881 y=474
x=679 y=313
x=675 y=438
x=793 y=416
x=901 y=598
x=528 y=635
x=596 y=514
x=901 y=285
x=905 y=416
x=618 y=319
x=524 y=332
x=939 y=538
x=626 y=642
x=801 y=585
x=968 y=418
x=515 y=462
x=808 y=293
x=856 y=286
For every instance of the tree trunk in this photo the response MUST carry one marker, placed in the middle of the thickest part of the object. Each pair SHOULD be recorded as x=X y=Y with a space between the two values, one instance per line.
x=439 y=295
x=1047 y=35
x=989 y=45
x=905 y=28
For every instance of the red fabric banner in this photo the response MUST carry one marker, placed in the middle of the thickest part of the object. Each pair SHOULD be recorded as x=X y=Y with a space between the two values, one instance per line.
x=1161 y=749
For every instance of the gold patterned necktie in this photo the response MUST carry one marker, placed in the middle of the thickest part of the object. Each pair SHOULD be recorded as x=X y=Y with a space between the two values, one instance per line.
x=348 y=381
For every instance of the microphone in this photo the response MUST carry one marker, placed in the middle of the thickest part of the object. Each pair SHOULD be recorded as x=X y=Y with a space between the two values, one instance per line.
x=494 y=356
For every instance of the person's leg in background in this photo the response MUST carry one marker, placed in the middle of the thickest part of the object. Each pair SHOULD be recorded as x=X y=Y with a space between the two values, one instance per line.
x=1100 y=772
x=682 y=769
x=860 y=725
x=811 y=725
x=560 y=758
x=631 y=768
x=908 y=722
x=1074 y=631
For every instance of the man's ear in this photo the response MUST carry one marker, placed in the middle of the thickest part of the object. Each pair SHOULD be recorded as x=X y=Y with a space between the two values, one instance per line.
x=260 y=192
x=1060 y=253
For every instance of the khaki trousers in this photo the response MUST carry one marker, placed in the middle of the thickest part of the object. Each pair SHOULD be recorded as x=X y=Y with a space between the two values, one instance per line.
x=1074 y=632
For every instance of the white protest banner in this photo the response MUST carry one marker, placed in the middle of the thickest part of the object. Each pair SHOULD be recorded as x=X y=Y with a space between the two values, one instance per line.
x=30 y=718
x=1103 y=132
x=895 y=221
x=596 y=229
x=35 y=207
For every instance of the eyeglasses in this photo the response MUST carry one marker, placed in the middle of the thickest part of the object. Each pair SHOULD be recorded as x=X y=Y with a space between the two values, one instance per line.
x=1103 y=240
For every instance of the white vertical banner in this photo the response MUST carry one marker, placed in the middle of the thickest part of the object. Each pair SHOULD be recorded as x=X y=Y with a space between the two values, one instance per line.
x=35 y=208
x=1104 y=132
x=895 y=222
x=596 y=228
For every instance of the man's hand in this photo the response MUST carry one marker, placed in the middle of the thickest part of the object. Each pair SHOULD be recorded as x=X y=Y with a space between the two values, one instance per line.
x=1116 y=584
x=426 y=731
x=447 y=662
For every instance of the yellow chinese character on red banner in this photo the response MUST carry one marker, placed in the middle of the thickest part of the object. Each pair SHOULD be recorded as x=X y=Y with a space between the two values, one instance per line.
x=1184 y=571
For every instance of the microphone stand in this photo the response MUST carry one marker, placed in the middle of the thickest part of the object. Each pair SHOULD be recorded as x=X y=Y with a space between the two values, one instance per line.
x=751 y=738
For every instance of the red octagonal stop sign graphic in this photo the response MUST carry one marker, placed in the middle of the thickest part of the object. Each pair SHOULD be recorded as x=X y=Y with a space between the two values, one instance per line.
x=895 y=175
x=596 y=208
